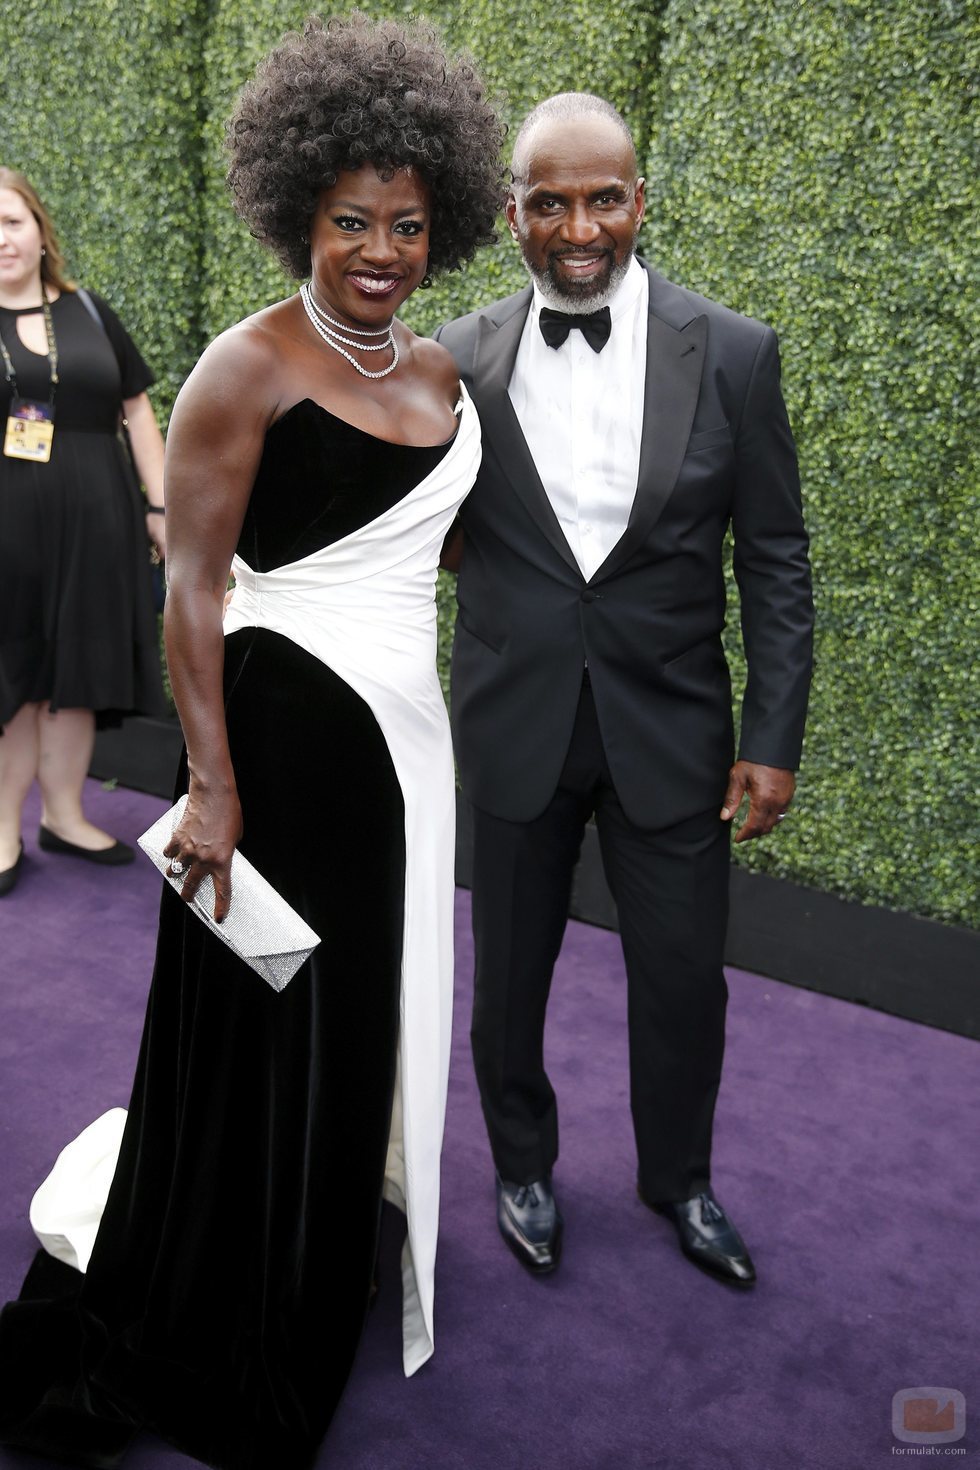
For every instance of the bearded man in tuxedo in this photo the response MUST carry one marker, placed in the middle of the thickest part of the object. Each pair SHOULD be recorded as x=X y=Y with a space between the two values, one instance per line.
x=628 y=424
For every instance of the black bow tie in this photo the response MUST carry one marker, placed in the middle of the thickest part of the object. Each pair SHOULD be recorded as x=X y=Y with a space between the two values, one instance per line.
x=556 y=325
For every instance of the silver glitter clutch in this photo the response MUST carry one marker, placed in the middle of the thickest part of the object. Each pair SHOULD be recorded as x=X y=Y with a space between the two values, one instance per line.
x=260 y=926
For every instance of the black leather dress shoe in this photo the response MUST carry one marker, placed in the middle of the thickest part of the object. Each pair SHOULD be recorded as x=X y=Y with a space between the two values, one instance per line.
x=109 y=857
x=9 y=876
x=707 y=1236
x=530 y=1223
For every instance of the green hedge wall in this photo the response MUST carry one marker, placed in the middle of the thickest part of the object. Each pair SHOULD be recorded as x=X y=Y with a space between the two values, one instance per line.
x=812 y=165
x=102 y=104
x=816 y=166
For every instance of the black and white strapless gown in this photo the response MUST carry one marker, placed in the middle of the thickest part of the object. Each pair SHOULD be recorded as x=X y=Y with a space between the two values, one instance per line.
x=230 y=1274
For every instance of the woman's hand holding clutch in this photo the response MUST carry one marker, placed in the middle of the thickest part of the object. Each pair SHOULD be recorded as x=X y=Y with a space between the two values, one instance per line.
x=204 y=842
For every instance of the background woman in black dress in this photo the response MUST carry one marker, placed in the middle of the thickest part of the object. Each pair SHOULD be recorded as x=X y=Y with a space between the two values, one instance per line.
x=77 y=629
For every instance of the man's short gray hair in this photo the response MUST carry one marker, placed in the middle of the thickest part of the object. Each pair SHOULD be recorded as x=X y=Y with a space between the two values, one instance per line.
x=563 y=107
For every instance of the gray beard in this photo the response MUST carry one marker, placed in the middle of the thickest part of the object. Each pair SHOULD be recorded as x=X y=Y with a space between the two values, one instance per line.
x=559 y=297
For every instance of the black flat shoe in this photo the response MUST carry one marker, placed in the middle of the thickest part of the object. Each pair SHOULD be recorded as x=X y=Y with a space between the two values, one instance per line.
x=530 y=1222
x=9 y=876
x=707 y=1236
x=110 y=857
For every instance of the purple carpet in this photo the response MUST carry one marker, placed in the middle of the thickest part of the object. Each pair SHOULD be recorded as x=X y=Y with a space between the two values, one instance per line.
x=845 y=1150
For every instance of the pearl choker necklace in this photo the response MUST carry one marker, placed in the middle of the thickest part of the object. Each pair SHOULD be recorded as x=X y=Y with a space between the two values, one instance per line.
x=328 y=327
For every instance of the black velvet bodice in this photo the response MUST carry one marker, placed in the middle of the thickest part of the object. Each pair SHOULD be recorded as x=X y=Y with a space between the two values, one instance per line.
x=319 y=479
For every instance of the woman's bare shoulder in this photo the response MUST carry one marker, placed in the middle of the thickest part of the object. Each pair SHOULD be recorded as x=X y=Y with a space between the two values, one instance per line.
x=244 y=359
x=254 y=341
x=438 y=366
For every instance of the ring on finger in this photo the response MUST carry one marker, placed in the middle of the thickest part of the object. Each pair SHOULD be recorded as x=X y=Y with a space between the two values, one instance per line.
x=177 y=867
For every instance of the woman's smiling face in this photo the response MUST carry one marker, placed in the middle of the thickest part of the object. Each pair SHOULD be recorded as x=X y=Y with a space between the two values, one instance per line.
x=369 y=243
x=20 y=242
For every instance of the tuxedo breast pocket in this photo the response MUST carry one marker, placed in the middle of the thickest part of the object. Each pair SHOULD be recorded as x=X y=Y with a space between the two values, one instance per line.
x=710 y=439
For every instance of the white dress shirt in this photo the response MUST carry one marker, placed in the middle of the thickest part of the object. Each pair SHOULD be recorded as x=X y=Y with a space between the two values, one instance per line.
x=581 y=413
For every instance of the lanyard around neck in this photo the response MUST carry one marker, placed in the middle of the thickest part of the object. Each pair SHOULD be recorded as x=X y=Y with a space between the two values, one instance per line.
x=8 y=366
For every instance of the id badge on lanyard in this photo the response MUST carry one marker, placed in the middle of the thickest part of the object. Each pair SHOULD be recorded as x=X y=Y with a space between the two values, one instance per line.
x=30 y=422
x=30 y=430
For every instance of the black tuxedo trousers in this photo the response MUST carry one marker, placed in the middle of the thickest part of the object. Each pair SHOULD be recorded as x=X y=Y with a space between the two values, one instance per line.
x=671 y=892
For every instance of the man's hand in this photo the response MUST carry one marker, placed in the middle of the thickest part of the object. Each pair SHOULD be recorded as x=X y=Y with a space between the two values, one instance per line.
x=452 y=548
x=770 y=791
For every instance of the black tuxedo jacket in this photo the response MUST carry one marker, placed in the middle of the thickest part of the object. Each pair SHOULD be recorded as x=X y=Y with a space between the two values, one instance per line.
x=716 y=450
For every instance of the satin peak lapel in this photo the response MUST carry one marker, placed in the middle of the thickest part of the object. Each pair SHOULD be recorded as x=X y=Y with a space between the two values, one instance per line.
x=496 y=353
x=675 y=362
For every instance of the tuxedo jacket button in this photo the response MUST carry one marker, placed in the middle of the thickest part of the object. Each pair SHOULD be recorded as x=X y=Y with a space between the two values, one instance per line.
x=588 y=595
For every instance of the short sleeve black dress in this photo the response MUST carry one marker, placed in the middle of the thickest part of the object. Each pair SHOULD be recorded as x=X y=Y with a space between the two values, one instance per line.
x=77 y=626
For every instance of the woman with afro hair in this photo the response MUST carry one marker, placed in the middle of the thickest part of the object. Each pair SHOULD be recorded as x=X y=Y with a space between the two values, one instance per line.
x=322 y=450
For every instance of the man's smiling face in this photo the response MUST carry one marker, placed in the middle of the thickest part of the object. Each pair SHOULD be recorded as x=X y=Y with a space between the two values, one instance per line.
x=575 y=208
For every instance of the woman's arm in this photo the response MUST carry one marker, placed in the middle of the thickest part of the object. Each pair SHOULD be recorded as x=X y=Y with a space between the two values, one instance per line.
x=214 y=445
x=147 y=444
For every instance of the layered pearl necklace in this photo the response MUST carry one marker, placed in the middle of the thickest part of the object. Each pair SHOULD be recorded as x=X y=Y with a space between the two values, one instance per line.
x=333 y=332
